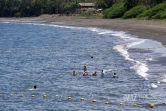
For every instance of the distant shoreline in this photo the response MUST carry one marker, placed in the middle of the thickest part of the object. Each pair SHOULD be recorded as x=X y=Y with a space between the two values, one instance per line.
x=148 y=29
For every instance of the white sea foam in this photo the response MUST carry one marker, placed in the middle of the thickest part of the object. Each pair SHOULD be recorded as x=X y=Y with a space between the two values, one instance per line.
x=121 y=35
x=93 y=29
x=164 y=80
x=101 y=31
x=107 y=70
x=121 y=49
x=52 y=25
x=150 y=59
x=153 y=85
x=61 y=26
x=6 y=22
x=140 y=67
x=139 y=41
x=32 y=89
x=106 y=32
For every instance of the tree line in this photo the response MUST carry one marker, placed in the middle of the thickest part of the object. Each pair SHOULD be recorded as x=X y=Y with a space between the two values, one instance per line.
x=139 y=9
x=28 y=8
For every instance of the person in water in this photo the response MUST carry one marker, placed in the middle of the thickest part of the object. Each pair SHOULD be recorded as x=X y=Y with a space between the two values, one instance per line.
x=85 y=69
x=85 y=73
x=74 y=73
x=94 y=74
x=115 y=76
x=35 y=87
x=102 y=73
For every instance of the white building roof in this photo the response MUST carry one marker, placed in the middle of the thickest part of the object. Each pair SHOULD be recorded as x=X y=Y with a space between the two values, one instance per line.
x=87 y=4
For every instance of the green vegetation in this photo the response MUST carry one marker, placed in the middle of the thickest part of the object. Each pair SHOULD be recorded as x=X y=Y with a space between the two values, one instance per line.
x=157 y=12
x=70 y=7
x=27 y=8
x=160 y=15
x=134 y=12
x=126 y=9
x=142 y=9
x=116 y=11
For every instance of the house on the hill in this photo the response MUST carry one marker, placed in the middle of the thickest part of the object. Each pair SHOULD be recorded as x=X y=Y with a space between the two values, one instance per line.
x=86 y=6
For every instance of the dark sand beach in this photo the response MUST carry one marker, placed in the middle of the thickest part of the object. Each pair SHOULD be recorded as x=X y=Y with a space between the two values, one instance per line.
x=148 y=29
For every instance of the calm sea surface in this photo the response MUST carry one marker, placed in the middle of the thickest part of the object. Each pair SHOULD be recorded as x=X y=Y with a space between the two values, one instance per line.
x=45 y=55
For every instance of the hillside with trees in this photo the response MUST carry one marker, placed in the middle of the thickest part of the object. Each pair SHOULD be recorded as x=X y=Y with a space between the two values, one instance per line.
x=147 y=9
x=142 y=9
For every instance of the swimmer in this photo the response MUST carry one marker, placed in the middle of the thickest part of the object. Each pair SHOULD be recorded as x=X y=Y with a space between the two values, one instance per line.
x=85 y=73
x=115 y=76
x=74 y=73
x=94 y=74
x=102 y=73
x=91 y=57
x=35 y=87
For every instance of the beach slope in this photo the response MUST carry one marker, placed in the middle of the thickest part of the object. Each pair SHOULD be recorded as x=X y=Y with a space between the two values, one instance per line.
x=148 y=29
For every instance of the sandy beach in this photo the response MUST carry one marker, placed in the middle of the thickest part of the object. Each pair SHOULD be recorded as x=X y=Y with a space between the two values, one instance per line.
x=149 y=29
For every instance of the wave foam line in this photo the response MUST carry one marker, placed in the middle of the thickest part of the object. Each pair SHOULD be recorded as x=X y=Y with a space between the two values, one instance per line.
x=101 y=31
x=135 y=43
x=141 y=68
x=5 y=22
x=52 y=25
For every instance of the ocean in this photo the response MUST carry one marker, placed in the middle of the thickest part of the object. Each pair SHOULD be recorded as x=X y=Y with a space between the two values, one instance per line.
x=45 y=55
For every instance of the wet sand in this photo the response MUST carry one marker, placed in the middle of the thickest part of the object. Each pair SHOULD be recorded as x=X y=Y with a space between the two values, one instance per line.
x=149 y=29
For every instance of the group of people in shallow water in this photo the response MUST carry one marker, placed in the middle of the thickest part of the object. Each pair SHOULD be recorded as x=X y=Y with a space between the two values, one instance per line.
x=85 y=73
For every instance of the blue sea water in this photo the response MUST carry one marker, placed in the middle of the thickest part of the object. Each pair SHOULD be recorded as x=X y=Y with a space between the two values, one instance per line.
x=45 y=55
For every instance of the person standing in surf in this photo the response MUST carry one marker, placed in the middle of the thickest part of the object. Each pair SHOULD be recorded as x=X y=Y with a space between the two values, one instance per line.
x=85 y=69
x=85 y=73
x=102 y=73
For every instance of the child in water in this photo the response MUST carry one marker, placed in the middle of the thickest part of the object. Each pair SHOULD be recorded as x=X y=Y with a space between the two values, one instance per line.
x=85 y=73
x=94 y=74
x=74 y=73
x=115 y=76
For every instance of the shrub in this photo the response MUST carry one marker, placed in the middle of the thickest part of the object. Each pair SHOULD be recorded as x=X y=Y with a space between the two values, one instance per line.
x=153 y=12
x=18 y=14
x=134 y=12
x=105 y=12
x=142 y=14
x=116 y=11
x=163 y=15
x=160 y=15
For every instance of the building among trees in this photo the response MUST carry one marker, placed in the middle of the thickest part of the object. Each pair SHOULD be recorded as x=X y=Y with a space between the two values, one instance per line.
x=86 y=6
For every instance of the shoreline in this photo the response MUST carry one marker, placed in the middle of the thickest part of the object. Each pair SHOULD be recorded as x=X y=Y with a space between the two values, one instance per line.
x=147 y=29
